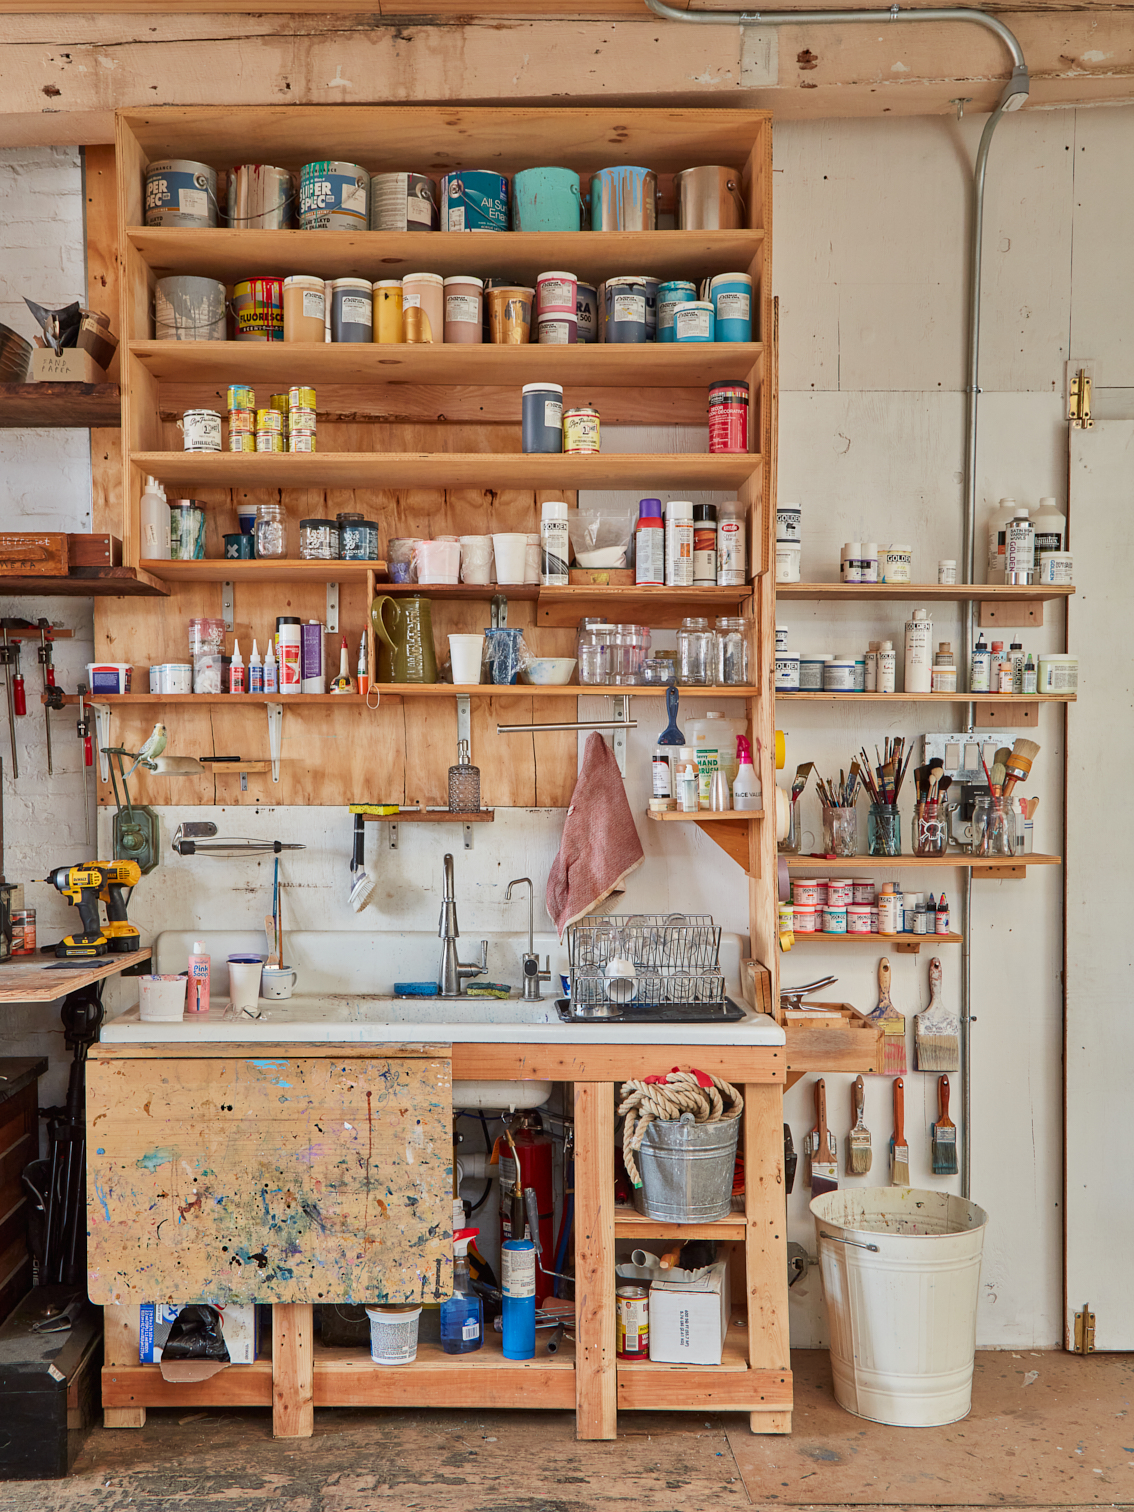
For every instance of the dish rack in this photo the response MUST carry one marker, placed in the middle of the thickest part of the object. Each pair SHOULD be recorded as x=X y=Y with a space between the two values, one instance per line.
x=675 y=959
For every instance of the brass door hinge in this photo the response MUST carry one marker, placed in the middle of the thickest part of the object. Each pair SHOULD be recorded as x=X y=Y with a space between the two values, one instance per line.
x=1079 y=399
x=1085 y=1331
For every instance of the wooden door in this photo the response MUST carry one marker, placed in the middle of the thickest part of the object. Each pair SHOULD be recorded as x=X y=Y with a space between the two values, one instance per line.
x=305 y=1178
x=1099 y=965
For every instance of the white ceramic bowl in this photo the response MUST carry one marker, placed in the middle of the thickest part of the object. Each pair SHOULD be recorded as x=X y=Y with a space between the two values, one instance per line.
x=547 y=670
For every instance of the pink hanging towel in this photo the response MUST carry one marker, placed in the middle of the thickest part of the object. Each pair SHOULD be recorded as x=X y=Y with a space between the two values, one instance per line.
x=600 y=845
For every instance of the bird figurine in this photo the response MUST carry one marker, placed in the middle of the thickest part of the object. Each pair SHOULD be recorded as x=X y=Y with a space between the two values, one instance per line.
x=150 y=751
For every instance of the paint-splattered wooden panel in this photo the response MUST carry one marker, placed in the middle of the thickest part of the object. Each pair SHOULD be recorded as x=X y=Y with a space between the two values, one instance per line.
x=270 y=1180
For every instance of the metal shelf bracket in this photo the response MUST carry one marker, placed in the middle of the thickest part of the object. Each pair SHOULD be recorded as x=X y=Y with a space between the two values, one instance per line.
x=275 y=736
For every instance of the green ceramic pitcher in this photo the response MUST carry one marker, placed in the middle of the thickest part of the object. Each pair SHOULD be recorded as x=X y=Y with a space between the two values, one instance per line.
x=404 y=630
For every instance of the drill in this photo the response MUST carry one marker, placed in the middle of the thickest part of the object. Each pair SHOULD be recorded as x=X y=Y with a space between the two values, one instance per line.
x=85 y=884
x=122 y=937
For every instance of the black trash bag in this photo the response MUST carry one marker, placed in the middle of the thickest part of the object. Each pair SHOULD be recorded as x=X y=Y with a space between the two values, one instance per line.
x=196 y=1334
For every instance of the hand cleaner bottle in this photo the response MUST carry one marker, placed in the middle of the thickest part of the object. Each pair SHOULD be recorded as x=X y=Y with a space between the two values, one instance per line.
x=462 y=1314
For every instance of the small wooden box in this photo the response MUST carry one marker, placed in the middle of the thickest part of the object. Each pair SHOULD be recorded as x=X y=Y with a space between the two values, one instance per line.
x=95 y=549
x=31 y=554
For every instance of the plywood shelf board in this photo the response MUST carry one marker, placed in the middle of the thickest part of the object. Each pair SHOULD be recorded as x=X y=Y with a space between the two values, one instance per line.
x=392 y=691
x=74 y=406
x=630 y=1224
x=904 y=944
x=662 y=608
x=704 y=816
x=431 y=816
x=836 y=864
x=908 y=592
x=950 y=698
x=33 y=979
x=88 y=582
x=283 y=570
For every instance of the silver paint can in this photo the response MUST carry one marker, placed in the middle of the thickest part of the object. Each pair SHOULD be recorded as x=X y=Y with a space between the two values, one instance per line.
x=260 y=197
x=189 y=309
x=709 y=199
x=403 y=202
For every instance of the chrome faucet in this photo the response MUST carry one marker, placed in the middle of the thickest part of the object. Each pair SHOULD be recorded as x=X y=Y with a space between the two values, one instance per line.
x=452 y=972
x=533 y=976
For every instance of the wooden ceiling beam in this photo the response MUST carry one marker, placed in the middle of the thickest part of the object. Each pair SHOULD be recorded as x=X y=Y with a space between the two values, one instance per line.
x=54 y=92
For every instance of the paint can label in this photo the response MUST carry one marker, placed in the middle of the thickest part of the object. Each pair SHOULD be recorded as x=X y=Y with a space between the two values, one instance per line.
x=356 y=310
x=557 y=332
x=333 y=195
x=728 y=417
x=629 y=307
x=201 y=430
x=462 y=309
x=580 y=431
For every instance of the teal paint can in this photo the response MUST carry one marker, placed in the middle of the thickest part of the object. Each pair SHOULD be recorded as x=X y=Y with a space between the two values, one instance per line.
x=474 y=200
x=546 y=199
x=671 y=294
x=731 y=294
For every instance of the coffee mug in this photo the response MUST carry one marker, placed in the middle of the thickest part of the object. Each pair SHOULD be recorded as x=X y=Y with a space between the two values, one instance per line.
x=277 y=981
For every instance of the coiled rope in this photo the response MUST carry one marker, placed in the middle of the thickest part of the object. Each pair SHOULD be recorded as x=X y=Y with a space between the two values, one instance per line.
x=708 y=1098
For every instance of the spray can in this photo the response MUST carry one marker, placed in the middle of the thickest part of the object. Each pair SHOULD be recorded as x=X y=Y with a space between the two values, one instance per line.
x=554 y=551
x=887 y=668
x=649 y=544
x=517 y=1284
x=705 y=545
x=679 y=543
x=197 y=996
x=919 y=656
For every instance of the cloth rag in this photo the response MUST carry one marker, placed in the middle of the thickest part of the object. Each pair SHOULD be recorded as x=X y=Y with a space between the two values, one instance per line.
x=600 y=845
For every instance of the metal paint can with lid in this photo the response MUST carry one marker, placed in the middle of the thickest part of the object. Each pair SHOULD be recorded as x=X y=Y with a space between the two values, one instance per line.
x=403 y=202
x=260 y=197
x=257 y=304
x=633 y=1337
x=586 y=311
x=201 y=430
x=670 y=295
x=241 y=396
x=728 y=417
x=581 y=430
x=180 y=192
x=334 y=197
x=299 y=396
x=475 y=199
x=624 y=301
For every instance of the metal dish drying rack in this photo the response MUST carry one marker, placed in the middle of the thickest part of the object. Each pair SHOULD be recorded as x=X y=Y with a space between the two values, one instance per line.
x=675 y=960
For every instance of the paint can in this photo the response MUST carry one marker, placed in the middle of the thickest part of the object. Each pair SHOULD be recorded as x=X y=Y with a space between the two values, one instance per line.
x=270 y=420
x=624 y=301
x=403 y=202
x=242 y=422
x=581 y=430
x=464 y=307
x=260 y=197
x=333 y=197
x=546 y=199
x=257 y=304
x=542 y=417
x=241 y=441
x=670 y=295
x=241 y=396
x=423 y=308
x=728 y=417
x=301 y=441
x=352 y=309
x=300 y=419
x=694 y=321
x=270 y=441
x=300 y=396
x=557 y=294
x=201 y=430
x=189 y=309
x=624 y=199
x=731 y=294
x=708 y=199
x=387 y=294
x=586 y=312
x=510 y=315
x=557 y=330
x=305 y=305
x=633 y=1340
x=181 y=193
x=475 y=199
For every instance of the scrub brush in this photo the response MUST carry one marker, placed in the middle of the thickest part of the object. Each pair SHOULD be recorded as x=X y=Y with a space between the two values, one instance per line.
x=362 y=883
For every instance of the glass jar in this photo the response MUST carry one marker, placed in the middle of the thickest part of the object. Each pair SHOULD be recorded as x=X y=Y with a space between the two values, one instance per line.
x=696 y=654
x=930 y=829
x=354 y=539
x=732 y=651
x=792 y=843
x=883 y=830
x=840 y=831
x=318 y=540
x=271 y=531
x=593 y=664
x=372 y=540
x=994 y=828
x=206 y=637
x=659 y=670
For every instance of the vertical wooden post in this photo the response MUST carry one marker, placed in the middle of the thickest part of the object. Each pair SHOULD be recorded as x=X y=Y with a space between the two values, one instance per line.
x=120 y=1347
x=596 y=1380
x=765 y=1214
x=293 y=1385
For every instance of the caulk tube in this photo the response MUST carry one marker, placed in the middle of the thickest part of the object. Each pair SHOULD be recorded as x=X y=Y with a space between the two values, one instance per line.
x=518 y=1278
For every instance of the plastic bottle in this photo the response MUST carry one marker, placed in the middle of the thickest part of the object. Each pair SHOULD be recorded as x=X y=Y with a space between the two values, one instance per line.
x=289 y=669
x=704 y=545
x=271 y=670
x=687 y=783
x=732 y=544
x=931 y=915
x=236 y=670
x=942 y=926
x=462 y=1314
x=997 y=527
x=870 y=684
x=649 y=545
x=517 y=1284
x=747 y=795
x=1019 y=549
x=713 y=738
x=996 y=656
x=554 y=551
x=343 y=683
x=255 y=670
x=980 y=673
x=1030 y=676
x=919 y=653
x=1016 y=658
x=1050 y=524
x=156 y=541
x=197 y=992
x=679 y=543
x=887 y=668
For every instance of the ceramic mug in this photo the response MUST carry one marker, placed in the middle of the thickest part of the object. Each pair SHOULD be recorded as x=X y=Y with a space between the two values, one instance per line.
x=277 y=981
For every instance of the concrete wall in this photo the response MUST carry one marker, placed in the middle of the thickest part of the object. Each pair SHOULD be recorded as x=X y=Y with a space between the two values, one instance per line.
x=869 y=238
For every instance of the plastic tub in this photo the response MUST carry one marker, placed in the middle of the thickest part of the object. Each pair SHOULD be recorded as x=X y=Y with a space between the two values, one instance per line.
x=393 y=1334
x=901 y=1273
x=108 y=677
x=1058 y=673
x=161 y=999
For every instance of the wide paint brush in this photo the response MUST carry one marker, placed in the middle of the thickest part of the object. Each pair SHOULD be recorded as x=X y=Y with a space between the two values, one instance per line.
x=825 y=1159
x=892 y=1024
x=858 y=1141
x=1018 y=764
x=944 y=1135
x=937 y=1032
x=899 y=1149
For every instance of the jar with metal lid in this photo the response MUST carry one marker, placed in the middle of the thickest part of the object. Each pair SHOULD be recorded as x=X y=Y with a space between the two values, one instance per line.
x=271 y=531
x=696 y=654
x=318 y=540
x=354 y=539
x=732 y=651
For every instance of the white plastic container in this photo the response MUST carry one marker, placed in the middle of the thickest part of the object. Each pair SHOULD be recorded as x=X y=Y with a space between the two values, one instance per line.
x=393 y=1334
x=901 y=1273
x=789 y=522
x=787 y=671
x=713 y=737
x=161 y=999
x=895 y=564
x=1058 y=673
x=851 y=564
x=1055 y=567
x=919 y=652
x=840 y=892
x=887 y=667
x=1050 y=525
x=838 y=674
x=997 y=527
x=858 y=918
x=788 y=554
x=108 y=677
x=811 y=669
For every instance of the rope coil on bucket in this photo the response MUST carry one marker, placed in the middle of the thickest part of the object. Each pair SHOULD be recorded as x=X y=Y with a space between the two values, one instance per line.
x=709 y=1099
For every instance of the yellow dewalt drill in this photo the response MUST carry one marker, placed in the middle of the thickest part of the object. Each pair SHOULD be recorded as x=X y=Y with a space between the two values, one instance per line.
x=85 y=884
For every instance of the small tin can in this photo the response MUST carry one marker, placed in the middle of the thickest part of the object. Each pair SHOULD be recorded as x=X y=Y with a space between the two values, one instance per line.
x=301 y=441
x=299 y=397
x=633 y=1338
x=201 y=430
x=728 y=417
x=319 y=540
x=269 y=441
x=241 y=441
x=242 y=422
x=241 y=396
x=270 y=420
x=581 y=430
x=23 y=931
x=301 y=419
x=280 y=402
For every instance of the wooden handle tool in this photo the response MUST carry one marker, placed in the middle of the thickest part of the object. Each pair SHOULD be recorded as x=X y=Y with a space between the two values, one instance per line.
x=899 y=1149
x=825 y=1160
x=944 y=1134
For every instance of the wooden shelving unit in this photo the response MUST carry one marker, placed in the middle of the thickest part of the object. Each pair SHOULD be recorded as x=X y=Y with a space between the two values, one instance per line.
x=88 y=582
x=836 y=865
x=902 y=944
x=61 y=406
x=630 y=1224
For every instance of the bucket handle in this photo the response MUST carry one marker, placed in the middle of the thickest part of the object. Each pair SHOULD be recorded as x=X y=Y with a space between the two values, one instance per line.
x=858 y=1243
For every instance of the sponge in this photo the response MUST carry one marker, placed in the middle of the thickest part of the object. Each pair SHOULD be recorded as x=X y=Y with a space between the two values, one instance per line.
x=488 y=989
x=415 y=989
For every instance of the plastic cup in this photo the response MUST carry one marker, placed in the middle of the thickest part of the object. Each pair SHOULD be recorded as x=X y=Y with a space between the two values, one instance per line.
x=510 y=549
x=161 y=999
x=531 y=558
x=466 y=653
x=438 y=561
x=244 y=981
x=476 y=559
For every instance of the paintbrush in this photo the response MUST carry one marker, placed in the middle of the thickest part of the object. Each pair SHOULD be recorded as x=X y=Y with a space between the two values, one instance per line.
x=937 y=1032
x=899 y=1149
x=858 y=1141
x=270 y=931
x=887 y=1018
x=944 y=1135
x=1018 y=763
x=825 y=1159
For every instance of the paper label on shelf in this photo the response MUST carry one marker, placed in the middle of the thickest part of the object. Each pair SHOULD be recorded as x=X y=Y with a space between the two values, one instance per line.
x=694 y=324
x=463 y=309
x=356 y=310
x=734 y=305
x=553 y=413
x=193 y=201
x=354 y=198
x=314 y=304
x=518 y=1269
x=630 y=307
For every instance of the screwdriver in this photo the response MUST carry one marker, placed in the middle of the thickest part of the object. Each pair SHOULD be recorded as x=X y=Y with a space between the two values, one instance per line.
x=7 y=659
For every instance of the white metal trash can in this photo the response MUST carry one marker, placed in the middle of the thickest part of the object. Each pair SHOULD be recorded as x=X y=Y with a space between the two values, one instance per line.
x=901 y=1271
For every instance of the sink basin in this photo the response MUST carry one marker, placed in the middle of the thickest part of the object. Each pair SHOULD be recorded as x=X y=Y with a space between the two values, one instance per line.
x=438 y=1010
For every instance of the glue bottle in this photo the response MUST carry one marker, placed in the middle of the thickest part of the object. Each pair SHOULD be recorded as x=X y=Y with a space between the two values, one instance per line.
x=462 y=1314
x=271 y=670
x=236 y=670
x=255 y=670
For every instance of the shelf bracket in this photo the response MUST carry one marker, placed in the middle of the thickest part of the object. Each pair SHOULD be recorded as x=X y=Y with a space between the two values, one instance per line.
x=468 y=829
x=275 y=736
x=393 y=836
x=464 y=724
x=102 y=713
x=332 y=607
x=620 y=710
x=228 y=604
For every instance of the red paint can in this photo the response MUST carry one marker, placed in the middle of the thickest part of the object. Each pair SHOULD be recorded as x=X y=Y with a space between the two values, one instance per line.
x=728 y=417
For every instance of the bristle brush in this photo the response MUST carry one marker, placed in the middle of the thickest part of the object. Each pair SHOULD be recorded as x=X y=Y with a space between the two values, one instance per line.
x=1018 y=764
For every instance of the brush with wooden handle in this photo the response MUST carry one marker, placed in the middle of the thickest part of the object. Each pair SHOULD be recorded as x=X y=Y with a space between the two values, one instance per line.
x=858 y=1141
x=944 y=1134
x=825 y=1160
x=1018 y=765
x=899 y=1149
x=893 y=1025
x=937 y=1032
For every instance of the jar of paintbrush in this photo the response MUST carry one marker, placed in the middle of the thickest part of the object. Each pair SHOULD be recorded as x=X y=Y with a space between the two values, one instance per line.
x=883 y=830
x=840 y=831
x=994 y=825
x=930 y=828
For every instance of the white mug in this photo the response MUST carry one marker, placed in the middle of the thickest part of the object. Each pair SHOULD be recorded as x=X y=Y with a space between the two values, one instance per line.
x=277 y=981
x=244 y=983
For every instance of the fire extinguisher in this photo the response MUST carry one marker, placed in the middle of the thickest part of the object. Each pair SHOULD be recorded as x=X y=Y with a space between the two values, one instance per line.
x=534 y=1152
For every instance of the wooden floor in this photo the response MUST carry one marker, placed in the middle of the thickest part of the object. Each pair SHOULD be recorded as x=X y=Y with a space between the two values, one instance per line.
x=1047 y=1430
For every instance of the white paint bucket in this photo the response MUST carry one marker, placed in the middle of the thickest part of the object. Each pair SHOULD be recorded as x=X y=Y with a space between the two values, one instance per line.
x=901 y=1271
x=393 y=1334
x=189 y=309
x=161 y=999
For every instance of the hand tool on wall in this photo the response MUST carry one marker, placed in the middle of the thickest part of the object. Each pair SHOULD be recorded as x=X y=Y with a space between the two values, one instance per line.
x=937 y=1032
x=8 y=655
x=892 y=1024
x=858 y=1141
x=899 y=1149
x=237 y=845
x=944 y=1134
x=825 y=1155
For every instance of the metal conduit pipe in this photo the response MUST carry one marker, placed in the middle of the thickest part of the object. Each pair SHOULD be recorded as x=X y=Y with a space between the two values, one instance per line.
x=1015 y=93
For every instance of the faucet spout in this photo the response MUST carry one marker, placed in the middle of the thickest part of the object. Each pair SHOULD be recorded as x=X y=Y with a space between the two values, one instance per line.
x=452 y=972
x=533 y=976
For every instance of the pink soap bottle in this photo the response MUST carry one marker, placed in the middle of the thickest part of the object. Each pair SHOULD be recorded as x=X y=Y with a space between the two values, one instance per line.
x=197 y=998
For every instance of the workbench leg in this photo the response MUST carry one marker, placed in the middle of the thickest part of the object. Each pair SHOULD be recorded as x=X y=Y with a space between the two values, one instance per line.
x=596 y=1380
x=293 y=1363
x=765 y=1213
x=120 y=1347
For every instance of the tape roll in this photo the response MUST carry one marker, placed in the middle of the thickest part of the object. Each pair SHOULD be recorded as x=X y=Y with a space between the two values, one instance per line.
x=781 y=750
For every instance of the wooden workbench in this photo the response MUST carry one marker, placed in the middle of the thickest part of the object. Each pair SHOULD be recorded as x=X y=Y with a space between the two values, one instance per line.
x=42 y=979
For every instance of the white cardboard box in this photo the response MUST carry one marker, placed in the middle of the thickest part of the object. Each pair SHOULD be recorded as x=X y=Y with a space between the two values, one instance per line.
x=238 y=1325
x=689 y=1319
x=72 y=365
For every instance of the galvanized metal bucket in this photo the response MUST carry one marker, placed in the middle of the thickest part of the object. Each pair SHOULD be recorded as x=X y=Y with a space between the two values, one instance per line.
x=687 y=1170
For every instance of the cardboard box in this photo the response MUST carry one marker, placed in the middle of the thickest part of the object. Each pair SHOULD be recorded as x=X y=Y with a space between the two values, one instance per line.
x=72 y=365
x=689 y=1319
x=96 y=337
x=238 y=1325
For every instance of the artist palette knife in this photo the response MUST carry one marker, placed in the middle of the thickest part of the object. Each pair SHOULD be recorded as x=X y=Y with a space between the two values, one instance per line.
x=825 y=1153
